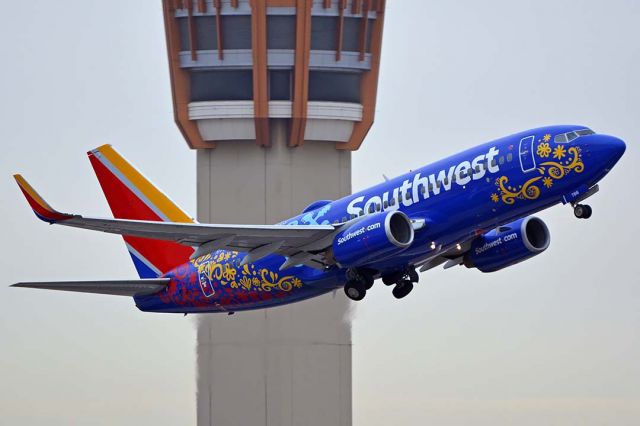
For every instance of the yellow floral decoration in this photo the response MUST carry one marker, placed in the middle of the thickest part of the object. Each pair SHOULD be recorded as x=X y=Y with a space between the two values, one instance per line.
x=224 y=267
x=543 y=150
x=549 y=172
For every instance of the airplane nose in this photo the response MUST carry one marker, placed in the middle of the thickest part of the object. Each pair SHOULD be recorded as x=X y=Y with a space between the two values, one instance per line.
x=608 y=148
x=615 y=148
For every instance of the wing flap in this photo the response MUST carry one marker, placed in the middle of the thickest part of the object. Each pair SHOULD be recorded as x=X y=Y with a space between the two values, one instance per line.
x=114 y=288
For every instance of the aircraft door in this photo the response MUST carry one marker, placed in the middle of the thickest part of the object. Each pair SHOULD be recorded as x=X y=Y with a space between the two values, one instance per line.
x=527 y=160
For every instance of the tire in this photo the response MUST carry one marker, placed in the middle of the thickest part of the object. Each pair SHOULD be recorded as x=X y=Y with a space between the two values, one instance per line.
x=367 y=278
x=587 y=212
x=392 y=278
x=355 y=290
x=402 y=289
x=579 y=211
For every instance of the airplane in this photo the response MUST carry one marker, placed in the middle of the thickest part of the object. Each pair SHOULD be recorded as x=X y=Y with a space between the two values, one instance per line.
x=474 y=209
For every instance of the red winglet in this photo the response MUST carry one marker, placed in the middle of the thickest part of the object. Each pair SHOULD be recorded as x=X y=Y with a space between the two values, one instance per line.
x=40 y=207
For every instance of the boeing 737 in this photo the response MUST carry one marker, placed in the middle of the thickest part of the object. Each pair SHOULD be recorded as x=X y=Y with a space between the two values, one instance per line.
x=473 y=209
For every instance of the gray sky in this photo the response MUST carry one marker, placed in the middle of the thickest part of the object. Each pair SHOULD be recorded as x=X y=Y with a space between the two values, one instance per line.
x=554 y=340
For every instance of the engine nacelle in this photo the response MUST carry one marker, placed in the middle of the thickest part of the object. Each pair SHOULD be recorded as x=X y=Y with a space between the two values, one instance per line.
x=373 y=237
x=508 y=245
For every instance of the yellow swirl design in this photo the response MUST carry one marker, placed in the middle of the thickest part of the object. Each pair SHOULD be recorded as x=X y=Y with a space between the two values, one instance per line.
x=529 y=190
x=223 y=267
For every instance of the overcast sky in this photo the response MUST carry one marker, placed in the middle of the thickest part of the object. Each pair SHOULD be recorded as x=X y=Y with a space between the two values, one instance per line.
x=554 y=340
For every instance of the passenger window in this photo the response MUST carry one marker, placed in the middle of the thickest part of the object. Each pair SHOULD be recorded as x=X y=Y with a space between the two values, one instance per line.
x=453 y=178
x=509 y=157
x=423 y=189
x=385 y=204
x=372 y=208
x=494 y=163
x=406 y=196
x=377 y=207
x=501 y=160
x=392 y=202
x=431 y=187
x=344 y=219
x=446 y=181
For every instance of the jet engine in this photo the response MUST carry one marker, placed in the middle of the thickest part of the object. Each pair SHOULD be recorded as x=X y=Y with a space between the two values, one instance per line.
x=508 y=244
x=373 y=237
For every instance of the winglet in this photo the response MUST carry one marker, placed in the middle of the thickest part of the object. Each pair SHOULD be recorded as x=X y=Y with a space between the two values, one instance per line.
x=40 y=207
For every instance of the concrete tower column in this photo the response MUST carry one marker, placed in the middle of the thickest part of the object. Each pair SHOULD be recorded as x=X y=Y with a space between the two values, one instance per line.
x=274 y=95
x=289 y=365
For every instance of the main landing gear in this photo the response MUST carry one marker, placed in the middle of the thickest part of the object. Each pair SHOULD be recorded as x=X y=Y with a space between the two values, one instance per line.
x=358 y=283
x=582 y=211
x=403 y=281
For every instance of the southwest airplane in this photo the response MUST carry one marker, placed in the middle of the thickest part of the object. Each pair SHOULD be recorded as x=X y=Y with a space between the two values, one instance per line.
x=471 y=209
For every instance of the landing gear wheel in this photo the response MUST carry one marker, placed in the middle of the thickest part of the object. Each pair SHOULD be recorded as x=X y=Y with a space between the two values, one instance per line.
x=392 y=278
x=402 y=288
x=367 y=279
x=582 y=211
x=355 y=290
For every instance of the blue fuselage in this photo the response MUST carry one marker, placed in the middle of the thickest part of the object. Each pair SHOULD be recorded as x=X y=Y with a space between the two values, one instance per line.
x=453 y=200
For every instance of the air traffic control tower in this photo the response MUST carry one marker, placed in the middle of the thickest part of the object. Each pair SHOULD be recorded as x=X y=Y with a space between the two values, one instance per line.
x=274 y=95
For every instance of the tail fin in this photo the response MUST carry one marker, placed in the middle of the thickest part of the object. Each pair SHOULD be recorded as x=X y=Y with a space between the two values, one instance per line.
x=132 y=196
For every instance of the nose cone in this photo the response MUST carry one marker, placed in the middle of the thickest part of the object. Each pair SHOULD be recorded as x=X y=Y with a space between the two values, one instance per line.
x=608 y=148
x=615 y=148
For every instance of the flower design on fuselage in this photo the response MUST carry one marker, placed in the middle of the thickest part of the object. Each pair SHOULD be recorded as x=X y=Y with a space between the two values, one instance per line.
x=223 y=268
x=569 y=160
x=543 y=150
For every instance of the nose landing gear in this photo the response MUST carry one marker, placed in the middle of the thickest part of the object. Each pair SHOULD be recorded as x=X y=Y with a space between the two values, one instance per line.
x=582 y=211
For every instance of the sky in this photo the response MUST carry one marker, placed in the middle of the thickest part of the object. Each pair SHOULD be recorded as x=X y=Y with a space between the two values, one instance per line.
x=554 y=340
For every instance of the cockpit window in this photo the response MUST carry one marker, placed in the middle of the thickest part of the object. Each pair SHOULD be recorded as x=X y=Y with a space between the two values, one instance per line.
x=562 y=138
x=569 y=136
x=585 y=132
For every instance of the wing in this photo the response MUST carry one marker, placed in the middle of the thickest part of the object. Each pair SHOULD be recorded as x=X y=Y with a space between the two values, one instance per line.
x=301 y=244
x=117 y=288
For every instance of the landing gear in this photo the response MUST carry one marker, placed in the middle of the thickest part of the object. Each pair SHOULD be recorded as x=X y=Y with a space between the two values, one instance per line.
x=355 y=290
x=359 y=281
x=402 y=288
x=403 y=281
x=582 y=211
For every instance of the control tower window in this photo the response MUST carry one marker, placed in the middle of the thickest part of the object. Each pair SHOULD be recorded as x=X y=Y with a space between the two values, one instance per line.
x=280 y=85
x=281 y=32
x=206 y=34
x=183 y=30
x=236 y=31
x=334 y=86
x=236 y=85
x=351 y=35
x=324 y=31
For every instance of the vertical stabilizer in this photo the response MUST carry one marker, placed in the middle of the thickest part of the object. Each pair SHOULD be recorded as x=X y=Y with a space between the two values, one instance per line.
x=132 y=196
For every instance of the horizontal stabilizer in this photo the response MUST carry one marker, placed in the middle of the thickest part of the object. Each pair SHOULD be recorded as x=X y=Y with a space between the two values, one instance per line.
x=115 y=288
